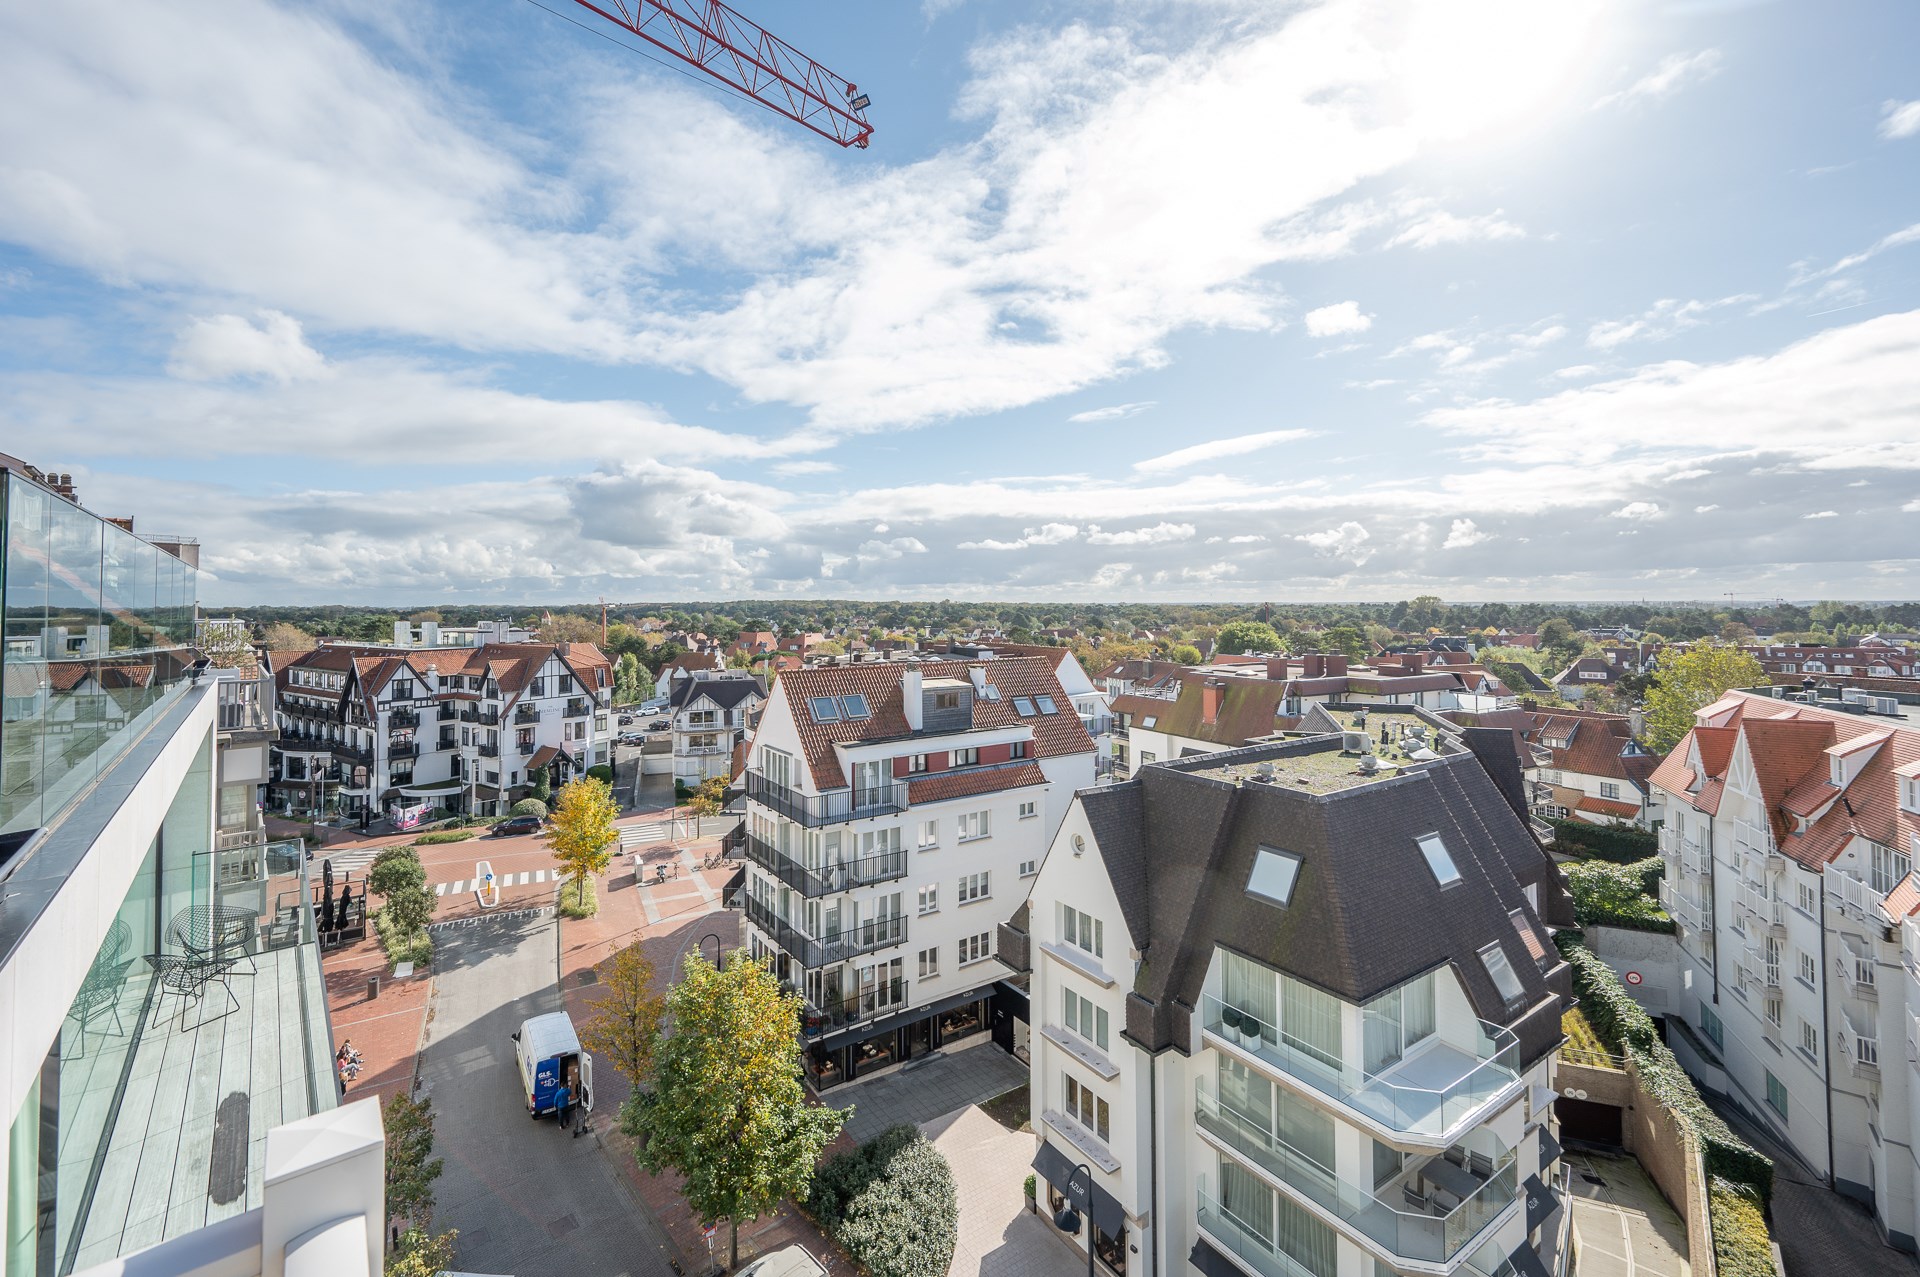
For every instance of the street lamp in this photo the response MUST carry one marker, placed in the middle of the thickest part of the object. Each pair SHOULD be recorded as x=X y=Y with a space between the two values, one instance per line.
x=717 y=943
x=1067 y=1219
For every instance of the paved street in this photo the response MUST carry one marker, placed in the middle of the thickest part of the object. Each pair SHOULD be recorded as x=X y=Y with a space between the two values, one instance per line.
x=999 y=1236
x=527 y=1199
x=928 y=1088
x=1622 y=1226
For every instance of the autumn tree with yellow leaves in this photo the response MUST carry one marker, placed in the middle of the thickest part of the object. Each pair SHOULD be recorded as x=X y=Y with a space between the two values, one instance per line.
x=582 y=835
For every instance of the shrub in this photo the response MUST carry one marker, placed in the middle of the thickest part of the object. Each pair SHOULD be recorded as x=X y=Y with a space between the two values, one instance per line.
x=400 y=945
x=1615 y=895
x=445 y=835
x=602 y=773
x=395 y=870
x=1741 y=1246
x=529 y=807
x=578 y=900
x=892 y=1203
x=1622 y=844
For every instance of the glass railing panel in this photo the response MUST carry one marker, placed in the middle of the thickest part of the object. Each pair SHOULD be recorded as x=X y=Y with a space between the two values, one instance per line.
x=1243 y=1240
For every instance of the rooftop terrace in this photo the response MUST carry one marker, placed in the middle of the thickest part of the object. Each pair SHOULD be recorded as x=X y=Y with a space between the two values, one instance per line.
x=1321 y=768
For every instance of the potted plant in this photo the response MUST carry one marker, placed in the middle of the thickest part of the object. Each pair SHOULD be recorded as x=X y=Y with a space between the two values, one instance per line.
x=1250 y=1030
x=1032 y=1191
x=1230 y=1023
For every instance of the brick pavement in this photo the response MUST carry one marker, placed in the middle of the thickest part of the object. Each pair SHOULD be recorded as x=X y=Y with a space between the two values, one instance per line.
x=929 y=1087
x=385 y=1030
x=999 y=1236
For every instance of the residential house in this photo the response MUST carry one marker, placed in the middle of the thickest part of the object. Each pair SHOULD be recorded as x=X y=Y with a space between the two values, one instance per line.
x=894 y=814
x=1590 y=767
x=1293 y=1013
x=752 y=643
x=1089 y=700
x=711 y=713
x=1585 y=674
x=684 y=666
x=1789 y=833
x=1137 y=676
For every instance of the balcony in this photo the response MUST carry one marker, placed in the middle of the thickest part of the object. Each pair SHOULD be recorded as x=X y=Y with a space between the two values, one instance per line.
x=357 y=753
x=1252 y=1246
x=1433 y=1233
x=1851 y=896
x=446 y=715
x=1854 y=966
x=1861 y=1046
x=241 y=706
x=525 y=748
x=484 y=717
x=576 y=709
x=882 y=999
x=1684 y=909
x=825 y=880
x=831 y=948
x=1097 y=724
x=830 y=808
x=526 y=714
x=403 y=749
x=403 y=718
x=1428 y=1098
x=700 y=751
x=489 y=751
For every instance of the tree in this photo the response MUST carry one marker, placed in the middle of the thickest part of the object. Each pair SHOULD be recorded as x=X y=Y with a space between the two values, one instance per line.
x=892 y=1203
x=629 y=683
x=543 y=783
x=626 y=1017
x=282 y=637
x=395 y=870
x=408 y=910
x=1247 y=636
x=411 y=1167
x=1184 y=653
x=227 y=645
x=422 y=1254
x=1347 y=639
x=1424 y=613
x=529 y=807
x=1688 y=681
x=568 y=627
x=727 y=1109
x=582 y=835
x=710 y=798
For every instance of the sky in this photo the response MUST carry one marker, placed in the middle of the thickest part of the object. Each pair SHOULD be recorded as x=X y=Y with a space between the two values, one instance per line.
x=1127 y=300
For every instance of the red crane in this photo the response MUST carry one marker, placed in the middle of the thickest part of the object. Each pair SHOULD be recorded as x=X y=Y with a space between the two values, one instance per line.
x=748 y=59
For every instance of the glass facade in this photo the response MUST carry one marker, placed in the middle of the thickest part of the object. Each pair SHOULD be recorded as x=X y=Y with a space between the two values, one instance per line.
x=98 y=634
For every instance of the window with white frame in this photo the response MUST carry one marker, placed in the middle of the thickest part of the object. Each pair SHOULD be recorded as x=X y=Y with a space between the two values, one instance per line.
x=929 y=961
x=1494 y=959
x=916 y=763
x=929 y=898
x=975 y=887
x=1771 y=1006
x=1028 y=868
x=968 y=757
x=1809 y=899
x=1017 y=750
x=1086 y=1108
x=975 y=824
x=929 y=834
x=1890 y=867
x=1809 y=1038
x=1086 y=1019
x=1029 y=809
x=976 y=948
x=1808 y=969
x=1082 y=930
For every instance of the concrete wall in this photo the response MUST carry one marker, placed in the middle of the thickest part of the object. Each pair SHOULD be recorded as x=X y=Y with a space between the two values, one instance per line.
x=1653 y=956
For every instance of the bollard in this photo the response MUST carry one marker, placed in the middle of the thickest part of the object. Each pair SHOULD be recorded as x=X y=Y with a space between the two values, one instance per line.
x=373 y=987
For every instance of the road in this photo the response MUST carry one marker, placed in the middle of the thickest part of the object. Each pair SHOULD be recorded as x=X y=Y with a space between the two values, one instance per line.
x=527 y=1199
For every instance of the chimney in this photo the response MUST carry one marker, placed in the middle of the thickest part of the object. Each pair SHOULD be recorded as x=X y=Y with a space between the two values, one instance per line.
x=1336 y=665
x=1413 y=662
x=910 y=697
x=1313 y=665
x=1277 y=668
x=1212 y=692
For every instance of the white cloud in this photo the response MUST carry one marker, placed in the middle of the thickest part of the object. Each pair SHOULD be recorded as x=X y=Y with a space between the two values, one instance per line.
x=1112 y=413
x=1158 y=534
x=1899 y=119
x=1575 y=371
x=1637 y=510
x=1046 y=534
x=1347 y=541
x=1214 y=450
x=1705 y=509
x=1245 y=539
x=1822 y=514
x=1896 y=239
x=1674 y=73
x=797 y=468
x=231 y=346
x=1536 y=341
x=1436 y=226
x=1341 y=317
x=1911 y=507
x=1666 y=318
x=1463 y=534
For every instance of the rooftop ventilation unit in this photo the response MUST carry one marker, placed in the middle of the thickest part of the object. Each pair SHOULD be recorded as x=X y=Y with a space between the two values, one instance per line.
x=1355 y=743
x=1264 y=772
x=1369 y=765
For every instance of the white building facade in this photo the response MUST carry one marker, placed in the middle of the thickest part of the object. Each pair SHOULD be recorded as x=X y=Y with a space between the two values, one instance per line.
x=711 y=712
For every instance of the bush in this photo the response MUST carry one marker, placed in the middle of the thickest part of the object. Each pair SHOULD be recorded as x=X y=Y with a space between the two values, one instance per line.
x=395 y=870
x=400 y=945
x=445 y=835
x=1741 y=1246
x=602 y=773
x=1616 y=895
x=892 y=1203
x=1622 y=844
x=529 y=807
x=572 y=905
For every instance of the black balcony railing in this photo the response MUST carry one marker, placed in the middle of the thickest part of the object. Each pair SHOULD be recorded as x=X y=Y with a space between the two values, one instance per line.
x=526 y=714
x=403 y=749
x=824 y=951
x=526 y=748
x=882 y=998
x=829 y=808
x=576 y=709
x=447 y=714
x=447 y=742
x=864 y=871
x=404 y=718
x=489 y=751
x=358 y=753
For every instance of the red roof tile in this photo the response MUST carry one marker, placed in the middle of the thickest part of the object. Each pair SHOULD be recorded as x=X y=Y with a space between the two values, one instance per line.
x=968 y=782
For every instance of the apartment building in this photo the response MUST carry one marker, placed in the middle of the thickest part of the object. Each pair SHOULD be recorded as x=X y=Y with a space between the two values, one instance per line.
x=895 y=813
x=1590 y=767
x=370 y=733
x=167 y=1052
x=1789 y=831
x=1090 y=700
x=711 y=714
x=1293 y=1012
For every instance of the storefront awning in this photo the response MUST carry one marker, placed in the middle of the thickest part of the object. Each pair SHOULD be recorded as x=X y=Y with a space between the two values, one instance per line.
x=1542 y=1202
x=1058 y=1170
x=861 y=1032
x=1527 y=1262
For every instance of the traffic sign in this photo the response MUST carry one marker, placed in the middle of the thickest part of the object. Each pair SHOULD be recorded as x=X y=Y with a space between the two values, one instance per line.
x=1633 y=977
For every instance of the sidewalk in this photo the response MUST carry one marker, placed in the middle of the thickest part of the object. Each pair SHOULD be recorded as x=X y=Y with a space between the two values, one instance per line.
x=687 y=919
x=385 y=1030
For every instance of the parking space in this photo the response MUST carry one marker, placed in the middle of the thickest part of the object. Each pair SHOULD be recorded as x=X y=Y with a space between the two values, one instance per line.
x=928 y=1088
x=1622 y=1225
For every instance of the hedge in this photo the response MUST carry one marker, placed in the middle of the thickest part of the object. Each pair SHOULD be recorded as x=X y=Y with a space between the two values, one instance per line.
x=529 y=807
x=1741 y=1246
x=1621 y=844
x=446 y=835
x=1618 y=895
x=892 y=1203
x=1625 y=1027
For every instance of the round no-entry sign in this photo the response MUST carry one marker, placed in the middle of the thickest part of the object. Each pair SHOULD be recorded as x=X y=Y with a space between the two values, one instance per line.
x=1633 y=977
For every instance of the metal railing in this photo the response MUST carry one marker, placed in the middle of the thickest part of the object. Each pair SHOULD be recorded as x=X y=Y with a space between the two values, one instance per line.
x=827 y=949
x=883 y=998
x=825 y=880
x=489 y=751
x=526 y=714
x=403 y=718
x=1427 y=1236
x=403 y=749
x=576 y=709
x=242 y=705
x=837 y=805
x=1429 y=1112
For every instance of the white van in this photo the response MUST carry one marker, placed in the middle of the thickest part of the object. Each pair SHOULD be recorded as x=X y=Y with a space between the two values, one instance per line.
x=548 y=1050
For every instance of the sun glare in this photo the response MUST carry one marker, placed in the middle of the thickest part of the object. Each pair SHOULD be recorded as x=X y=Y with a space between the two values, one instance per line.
x=1472 y=65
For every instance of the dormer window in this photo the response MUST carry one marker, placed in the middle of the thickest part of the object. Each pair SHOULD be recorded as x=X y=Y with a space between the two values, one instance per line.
x=1273 y=876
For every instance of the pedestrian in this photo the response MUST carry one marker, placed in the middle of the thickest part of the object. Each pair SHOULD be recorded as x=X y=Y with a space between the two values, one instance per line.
x=573 y=1091
x=562 y=1104
x=344 y=915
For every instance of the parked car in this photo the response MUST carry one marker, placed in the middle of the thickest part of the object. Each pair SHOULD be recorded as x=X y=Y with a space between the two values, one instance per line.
x=657 y=725
x=632 y=738
x=626 y=720
x=516 y=825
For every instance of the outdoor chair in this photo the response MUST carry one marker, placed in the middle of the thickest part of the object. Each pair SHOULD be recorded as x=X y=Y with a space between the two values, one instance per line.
x=186 y=976
x=1481 y=1165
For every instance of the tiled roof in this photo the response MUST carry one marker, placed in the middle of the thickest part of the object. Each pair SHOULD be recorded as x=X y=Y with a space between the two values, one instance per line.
x=967 y=782
x=1248 y=710
x=691 y=661
x=1609 y=807
x=1904 y=899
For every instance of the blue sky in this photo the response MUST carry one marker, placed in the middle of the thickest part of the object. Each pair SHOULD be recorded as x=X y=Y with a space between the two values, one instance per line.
x=1188 y=299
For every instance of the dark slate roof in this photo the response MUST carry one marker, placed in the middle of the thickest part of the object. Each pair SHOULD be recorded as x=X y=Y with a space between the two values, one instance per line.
x=1366 y=914
x=723 y=692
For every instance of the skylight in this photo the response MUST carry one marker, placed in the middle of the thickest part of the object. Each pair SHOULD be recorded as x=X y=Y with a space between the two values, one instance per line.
x=1046 y=705
x=1501 y=971
x=854 y=708
x=1439 y=859
x=1023 y=705
x=825 y=709
x=1149 y=720
x=1273 y=876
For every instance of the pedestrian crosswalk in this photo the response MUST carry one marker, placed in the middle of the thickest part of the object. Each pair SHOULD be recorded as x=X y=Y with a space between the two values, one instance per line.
x=504 y=880
x=346 y=859
x=644 y=834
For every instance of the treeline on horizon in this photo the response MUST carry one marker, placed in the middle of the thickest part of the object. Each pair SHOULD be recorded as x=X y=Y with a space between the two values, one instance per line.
x=1820 y=622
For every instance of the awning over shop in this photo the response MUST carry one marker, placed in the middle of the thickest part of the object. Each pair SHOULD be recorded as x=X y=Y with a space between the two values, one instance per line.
x=1527 y=1262
x=1542 y=1202
x=1058 y=1170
